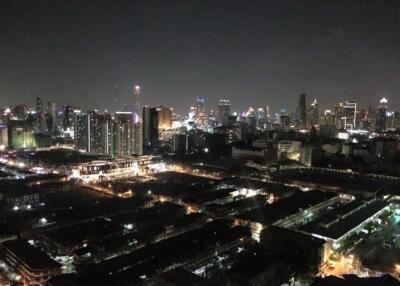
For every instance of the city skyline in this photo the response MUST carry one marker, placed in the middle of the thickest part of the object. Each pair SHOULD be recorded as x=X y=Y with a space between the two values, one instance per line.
x=200 y=142
x=276 y=52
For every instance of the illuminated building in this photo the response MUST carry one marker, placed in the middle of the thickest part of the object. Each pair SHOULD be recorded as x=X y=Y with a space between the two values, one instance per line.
x=32 y=265
x=137 y=134
x=313 y=114
x=100 y=133
x=350 y=115
x=164 y=115
x=231 y=134
x=343 y=221
x=289 y=150
x=381 y=115
x=224 y=111
x=20 y=135
x=328 y=118
x=100 y=170
x=68 y=120
x=200 y=117
x=339 y=113
x=123 y=133
x=80 y=130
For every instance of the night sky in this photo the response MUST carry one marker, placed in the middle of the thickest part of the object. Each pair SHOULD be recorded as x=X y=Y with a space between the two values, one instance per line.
x=252 y=52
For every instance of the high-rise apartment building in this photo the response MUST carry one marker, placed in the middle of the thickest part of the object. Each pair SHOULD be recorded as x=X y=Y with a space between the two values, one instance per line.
x=123 y=136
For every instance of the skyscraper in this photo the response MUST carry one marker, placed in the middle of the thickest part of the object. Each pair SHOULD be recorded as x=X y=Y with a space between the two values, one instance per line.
x=381 y=115
x=39 y=106
x=164 y=115
x=313 y=114
x=224 y=110
x=302 y=115
x=123 y=133
x=68 y=120
x=350 y=115
x=80 y=128
x=150 y=126
x=137 y=123
x=40 y=115
x=51 y=116
x=339 y=114
x=100 y=135
x=200 y=116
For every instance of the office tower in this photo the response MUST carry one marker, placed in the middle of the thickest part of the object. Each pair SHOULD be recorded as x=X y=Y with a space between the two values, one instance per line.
x=137 y=124
x=381 y=115
x=224 y=110
x=302 y=115
x=123 y=133
x=350 y=115
x=313 y=114
x=150 y=126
